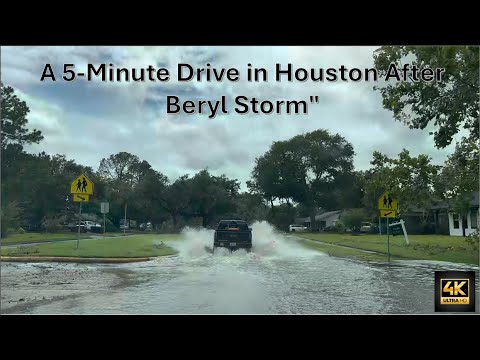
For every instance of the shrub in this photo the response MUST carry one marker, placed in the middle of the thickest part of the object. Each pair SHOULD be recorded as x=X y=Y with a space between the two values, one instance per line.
x=109 y=227
x=353 y=219
x=473 y=239
x=340 y=227
x=51 y=224
x=10 y=218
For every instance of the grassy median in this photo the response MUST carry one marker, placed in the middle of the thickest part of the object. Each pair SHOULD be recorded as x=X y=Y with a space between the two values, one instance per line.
x=337 y=251
x=34 y=237
x=421 y=247
x=117 y=247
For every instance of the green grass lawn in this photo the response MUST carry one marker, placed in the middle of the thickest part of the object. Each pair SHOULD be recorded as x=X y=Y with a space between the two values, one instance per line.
x=342 y=252
x=31 y=237
x=128 y=246
x=39 y=237
x=422 y=247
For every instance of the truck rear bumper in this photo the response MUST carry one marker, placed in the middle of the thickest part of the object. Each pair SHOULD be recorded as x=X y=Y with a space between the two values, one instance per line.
x=232 y=245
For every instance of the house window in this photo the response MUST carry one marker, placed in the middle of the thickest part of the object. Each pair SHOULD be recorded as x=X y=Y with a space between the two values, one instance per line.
x=473 y=219
x=456 y=221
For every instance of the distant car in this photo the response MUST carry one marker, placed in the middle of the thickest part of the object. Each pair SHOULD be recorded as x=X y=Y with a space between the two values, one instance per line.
x=74 y=227
x=145 y=226
x=298 y=228
x=367 y=227
x=87 y=226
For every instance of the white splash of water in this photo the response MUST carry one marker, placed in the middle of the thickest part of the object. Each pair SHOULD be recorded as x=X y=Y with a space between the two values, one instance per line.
x=267 y=243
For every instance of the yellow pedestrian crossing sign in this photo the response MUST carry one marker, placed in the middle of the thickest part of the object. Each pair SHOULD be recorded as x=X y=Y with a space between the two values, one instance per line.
x=82 y=185
x=81 y=198
x=387 y=202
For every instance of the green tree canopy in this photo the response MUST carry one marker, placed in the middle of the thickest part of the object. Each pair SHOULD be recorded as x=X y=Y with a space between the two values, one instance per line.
x=14 y=120
x=353 y=219
x=211 y=195
x=451 y=104
x=312 y=169
x=410 y=179
x=459 y=177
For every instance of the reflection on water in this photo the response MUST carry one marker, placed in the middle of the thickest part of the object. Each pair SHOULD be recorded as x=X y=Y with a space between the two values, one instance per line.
x=278 y=277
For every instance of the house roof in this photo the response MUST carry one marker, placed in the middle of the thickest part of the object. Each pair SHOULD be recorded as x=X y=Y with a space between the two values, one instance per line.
x=444 y=205
x=322 y=216
x=327 y=214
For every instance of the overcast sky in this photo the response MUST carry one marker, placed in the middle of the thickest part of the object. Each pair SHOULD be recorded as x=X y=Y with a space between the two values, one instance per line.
x=88 y=121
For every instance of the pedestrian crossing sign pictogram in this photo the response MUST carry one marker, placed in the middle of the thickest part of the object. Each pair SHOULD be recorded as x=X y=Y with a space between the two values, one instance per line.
x=388 y=213
x=80 y=198
x=82 y=185
x=387 y=202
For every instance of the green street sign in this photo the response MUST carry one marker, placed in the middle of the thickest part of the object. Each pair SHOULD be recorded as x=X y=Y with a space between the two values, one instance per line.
x=394 y=230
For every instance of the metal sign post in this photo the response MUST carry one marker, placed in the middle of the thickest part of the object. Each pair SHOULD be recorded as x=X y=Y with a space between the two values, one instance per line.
x=104 y=208
x=79 y=220
x=125 y=221
x=405 y=231
x=388 y=240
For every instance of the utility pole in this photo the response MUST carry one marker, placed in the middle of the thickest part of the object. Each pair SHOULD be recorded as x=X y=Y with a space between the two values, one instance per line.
x=125 y=221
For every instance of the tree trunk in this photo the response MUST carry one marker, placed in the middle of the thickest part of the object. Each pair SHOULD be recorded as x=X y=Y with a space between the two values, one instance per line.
x=174 y=219
x=313 y=223
x=273 y=207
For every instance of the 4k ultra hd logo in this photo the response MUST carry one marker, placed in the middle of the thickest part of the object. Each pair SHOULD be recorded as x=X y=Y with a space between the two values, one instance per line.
x=455 y=291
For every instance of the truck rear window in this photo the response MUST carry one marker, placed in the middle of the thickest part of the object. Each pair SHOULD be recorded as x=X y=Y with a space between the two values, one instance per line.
x=225 y=225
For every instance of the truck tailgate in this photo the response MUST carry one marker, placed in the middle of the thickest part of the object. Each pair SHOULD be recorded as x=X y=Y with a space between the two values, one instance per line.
x=227 y=235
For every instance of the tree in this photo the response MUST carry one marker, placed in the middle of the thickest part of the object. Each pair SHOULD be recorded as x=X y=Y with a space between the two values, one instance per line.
x=284 y=216
x=459 y=177
x=312 y=169
x=14 y=120
x=175 y=198
x=410 y=179
x=121 y=166
x=353 y=219
x=10 y=218
x=251 y=207
x=211 y=195
x=150 y=185
x=120 y=172
x=449 y=104
x=303 y=211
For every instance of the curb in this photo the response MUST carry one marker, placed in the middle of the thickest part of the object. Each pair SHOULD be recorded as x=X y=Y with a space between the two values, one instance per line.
x=72 y=259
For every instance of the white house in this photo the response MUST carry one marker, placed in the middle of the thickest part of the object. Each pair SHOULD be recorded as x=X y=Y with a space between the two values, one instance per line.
x=464 y=225
x=324 y=220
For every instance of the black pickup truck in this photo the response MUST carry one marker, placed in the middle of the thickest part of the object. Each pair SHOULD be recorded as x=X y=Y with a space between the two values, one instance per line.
x=233 y=235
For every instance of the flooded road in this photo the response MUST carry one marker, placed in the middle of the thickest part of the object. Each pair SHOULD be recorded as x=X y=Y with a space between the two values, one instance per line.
x=278 y=277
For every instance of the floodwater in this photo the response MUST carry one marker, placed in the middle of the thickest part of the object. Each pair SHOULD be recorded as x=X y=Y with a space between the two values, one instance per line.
x=278 y=277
